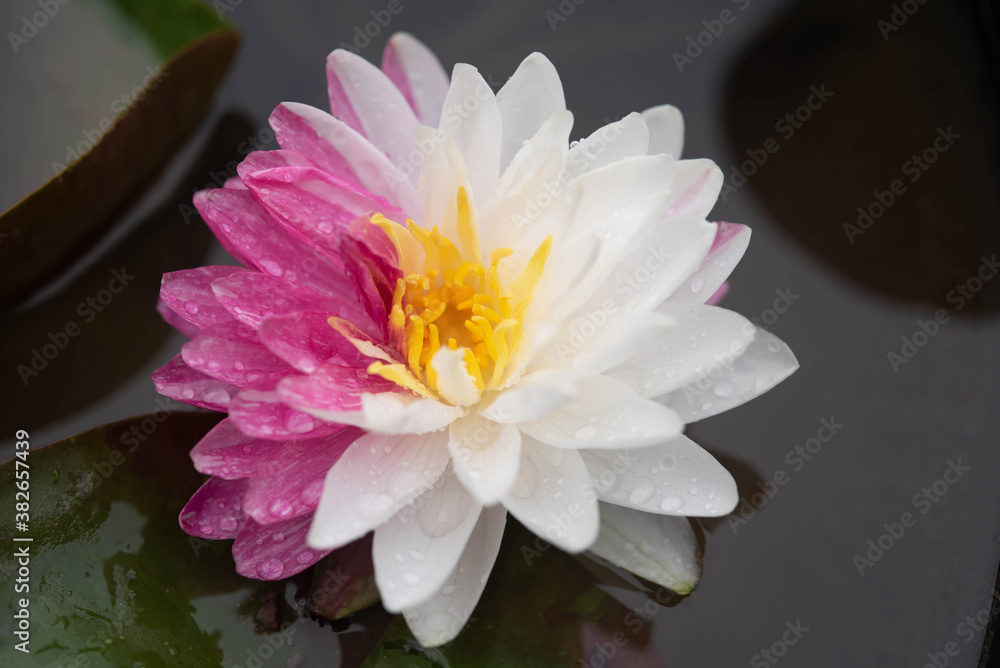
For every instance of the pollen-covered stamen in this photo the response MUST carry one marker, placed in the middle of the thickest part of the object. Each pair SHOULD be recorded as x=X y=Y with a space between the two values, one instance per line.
x=458 y=302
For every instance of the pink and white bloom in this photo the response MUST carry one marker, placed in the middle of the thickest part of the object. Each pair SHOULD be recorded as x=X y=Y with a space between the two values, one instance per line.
x=446 y=312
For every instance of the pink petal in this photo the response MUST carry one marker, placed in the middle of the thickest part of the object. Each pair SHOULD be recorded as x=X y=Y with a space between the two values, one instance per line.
x=232 y=353
x=175 y=321
x=290 y=482
x=417 y=73
x=253 y=297
x=214 y=511
x=311 y=203
x=228 y=453
x=379 y=246
x=306 y=340
x=342 y=152
x=695 y=188
x=364 y=97
x=332 y=387
x=215 y=224
x=261 y=414
x=719 y=295
x=727 y=249
x=258 y=161
x=274 y=551
x=188 y=293
x=269 y=246
x=234 y=182
x=177 y=380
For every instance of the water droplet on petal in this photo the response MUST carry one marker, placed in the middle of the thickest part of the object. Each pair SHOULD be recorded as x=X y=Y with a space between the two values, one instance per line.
x=270 y=569
x=587 y=432
x=278 y=537
x=191 y=307
x=280 y=508
x=724 y=390
x=641 y=494
x=671 y=504
x=697 y=284
x=304 y=557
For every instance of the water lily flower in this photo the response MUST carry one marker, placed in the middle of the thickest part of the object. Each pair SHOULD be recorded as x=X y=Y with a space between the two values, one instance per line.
x=447 y=312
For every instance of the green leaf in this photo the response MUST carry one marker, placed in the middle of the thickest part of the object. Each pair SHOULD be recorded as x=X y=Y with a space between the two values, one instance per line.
x=98 y=98
x=112 y=576
x=540 y=609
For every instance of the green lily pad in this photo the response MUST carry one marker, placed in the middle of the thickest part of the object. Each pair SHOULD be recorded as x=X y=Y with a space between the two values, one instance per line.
x=114 y=580
x=101 y=93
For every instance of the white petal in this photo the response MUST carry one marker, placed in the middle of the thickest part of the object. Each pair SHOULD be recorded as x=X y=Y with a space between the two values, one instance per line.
x=442 y=172
x=454 y=382
x=662 y=256
x=517 y=214
x=553 y=496
x=370 y=165
x=441 y=618
x=767 y=362
x=597 y=342
x=666 y=130
x=413 y=67
x=662 y=549
x=611 y=143
x=486 y=456
x=530 y=96
x=384 y=115
x=730 y=243
x=695 y=189
x=674 y=478
x=393 y=413
x=416 y=550
x=471 y=117
x=374 y=478
x=614 y=204
x=606 y=414
x=535 y=395
x=705 y=342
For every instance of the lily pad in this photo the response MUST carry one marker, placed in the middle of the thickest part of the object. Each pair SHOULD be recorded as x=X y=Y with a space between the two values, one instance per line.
x=113 y=578
x=101 y=93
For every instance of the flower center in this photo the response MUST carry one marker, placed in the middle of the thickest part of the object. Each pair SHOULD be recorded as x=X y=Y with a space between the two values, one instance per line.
x=458 y=303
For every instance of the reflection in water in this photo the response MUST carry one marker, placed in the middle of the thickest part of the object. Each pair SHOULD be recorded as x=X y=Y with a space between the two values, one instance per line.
x=867 y=143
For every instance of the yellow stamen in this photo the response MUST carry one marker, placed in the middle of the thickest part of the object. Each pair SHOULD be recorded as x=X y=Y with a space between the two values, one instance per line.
x=472 y=365
x=455 y=300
